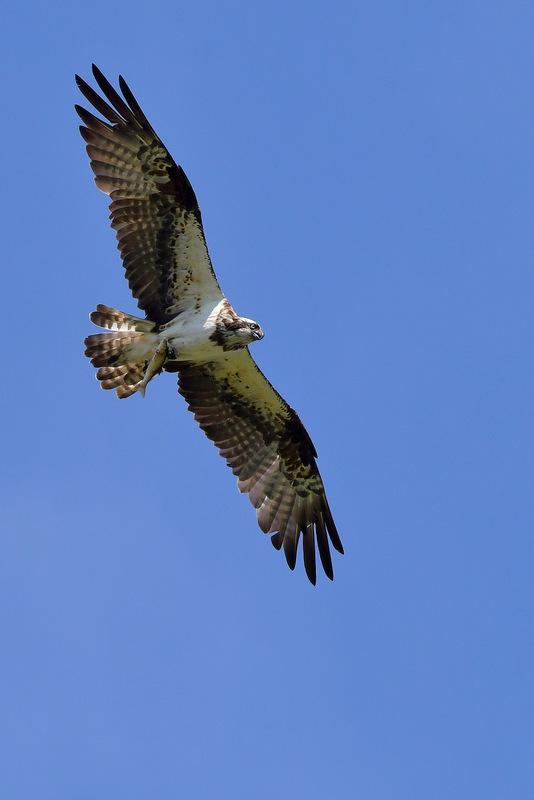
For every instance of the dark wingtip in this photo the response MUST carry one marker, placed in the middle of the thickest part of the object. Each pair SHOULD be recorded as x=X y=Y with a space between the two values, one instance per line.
x=101 y=79
x=276 y=540
x=308 y=552
x=123 y=85
x=329 y=574
x=311 y=571
x=332 y=530
x=82 y=85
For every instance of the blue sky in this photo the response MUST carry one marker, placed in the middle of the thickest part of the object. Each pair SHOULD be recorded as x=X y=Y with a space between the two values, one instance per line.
x=365 y=178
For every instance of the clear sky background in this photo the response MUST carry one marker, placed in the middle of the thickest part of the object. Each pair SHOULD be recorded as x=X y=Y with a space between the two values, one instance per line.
x=365 y=173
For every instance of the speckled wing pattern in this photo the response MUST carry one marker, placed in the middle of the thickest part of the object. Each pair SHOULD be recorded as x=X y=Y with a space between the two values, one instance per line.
x=154 y=210
x=157 y=220
x=267 y=447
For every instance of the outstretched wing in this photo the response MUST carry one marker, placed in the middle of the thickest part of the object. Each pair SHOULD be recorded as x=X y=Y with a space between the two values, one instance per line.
x=267 y=447
x=154 y=210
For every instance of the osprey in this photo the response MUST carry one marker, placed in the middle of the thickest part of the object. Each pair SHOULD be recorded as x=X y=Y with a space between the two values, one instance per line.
x=190 y=328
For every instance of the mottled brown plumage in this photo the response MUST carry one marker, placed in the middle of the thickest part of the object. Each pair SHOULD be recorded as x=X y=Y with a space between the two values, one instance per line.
x=191 y=328
x=267 y=447
x=153 y=205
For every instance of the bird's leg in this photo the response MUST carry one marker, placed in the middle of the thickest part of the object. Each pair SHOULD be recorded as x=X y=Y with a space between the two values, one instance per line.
x=154 y=366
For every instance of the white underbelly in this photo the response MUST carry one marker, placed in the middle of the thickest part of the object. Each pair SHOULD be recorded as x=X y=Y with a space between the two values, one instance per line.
x=189 y=335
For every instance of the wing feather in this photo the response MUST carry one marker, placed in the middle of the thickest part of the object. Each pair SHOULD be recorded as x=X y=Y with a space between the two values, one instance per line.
x=268 y=448
x=158 y=225
x=308 y=549
x=154 y=211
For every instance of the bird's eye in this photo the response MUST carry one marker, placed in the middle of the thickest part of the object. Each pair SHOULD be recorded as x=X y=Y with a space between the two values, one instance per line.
x=254 y=326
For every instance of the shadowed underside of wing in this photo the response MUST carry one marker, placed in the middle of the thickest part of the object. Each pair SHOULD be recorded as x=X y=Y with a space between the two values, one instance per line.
x=268 y=448
x=154 y=210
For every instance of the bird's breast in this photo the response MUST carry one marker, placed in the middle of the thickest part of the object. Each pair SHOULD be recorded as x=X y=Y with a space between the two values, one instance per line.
x=189 y=334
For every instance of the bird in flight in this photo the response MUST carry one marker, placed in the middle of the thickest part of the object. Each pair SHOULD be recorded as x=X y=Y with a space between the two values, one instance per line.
x=190 y=328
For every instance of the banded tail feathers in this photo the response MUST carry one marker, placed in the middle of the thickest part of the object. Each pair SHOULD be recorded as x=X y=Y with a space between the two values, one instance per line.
x=127 y=355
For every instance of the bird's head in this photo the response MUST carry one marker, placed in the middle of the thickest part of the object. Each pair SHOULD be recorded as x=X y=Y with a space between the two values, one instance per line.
x=251 y=331
x=233 y=332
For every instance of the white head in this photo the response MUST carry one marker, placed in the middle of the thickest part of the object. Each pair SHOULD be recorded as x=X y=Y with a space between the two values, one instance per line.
x=233 y=332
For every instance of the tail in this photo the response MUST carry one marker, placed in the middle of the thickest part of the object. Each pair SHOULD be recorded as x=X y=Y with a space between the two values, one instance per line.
x=123 y=354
